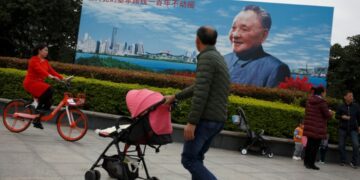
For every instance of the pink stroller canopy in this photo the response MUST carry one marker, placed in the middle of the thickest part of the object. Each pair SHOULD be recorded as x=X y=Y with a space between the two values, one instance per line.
x=138 y=101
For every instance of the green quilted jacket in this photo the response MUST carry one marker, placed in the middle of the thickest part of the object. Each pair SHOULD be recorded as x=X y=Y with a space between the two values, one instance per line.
x=211 y=89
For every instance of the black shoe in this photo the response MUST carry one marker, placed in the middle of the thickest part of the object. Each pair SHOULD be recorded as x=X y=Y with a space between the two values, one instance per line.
x=37 y=123
x=314 y=167
x=353 y=165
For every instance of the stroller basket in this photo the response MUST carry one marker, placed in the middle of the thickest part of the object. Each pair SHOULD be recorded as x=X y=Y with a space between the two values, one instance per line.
x=121 y=167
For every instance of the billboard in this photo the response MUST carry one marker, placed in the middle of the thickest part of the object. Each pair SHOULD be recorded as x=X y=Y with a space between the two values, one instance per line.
x=159 y=36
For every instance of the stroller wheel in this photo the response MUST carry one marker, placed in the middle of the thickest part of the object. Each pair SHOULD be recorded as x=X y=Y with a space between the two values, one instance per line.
x=154 y=178
x=244 y=151
x=270 y=155
x=98 y=175
x=92 y=175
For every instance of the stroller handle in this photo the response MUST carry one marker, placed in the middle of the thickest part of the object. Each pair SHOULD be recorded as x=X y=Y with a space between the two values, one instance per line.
x=241 y=112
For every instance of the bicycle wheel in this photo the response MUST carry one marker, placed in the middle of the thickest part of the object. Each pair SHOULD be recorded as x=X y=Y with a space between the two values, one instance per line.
x=72 y=127
x=16 y=124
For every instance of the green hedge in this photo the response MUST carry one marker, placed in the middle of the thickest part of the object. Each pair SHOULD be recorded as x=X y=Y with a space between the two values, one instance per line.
x=165 y=80
x=277 y=119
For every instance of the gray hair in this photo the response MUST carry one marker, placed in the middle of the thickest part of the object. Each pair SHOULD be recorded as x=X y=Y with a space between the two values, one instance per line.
x=262 y=14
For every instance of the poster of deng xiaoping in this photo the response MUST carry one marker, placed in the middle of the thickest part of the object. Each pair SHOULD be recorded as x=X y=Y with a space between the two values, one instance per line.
x=262 y=43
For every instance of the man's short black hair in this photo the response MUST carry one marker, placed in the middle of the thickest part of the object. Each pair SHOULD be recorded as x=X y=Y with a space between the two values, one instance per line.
x=207 y=35
x=346 y=92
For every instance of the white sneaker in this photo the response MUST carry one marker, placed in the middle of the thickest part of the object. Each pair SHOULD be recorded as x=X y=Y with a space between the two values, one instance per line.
x=110 y=130
x=296 y=158
x=105 y=131
x=321 y=162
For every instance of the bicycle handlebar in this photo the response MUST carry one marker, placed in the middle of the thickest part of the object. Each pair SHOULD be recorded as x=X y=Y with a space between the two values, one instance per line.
x=69 y=78
x=67 y=81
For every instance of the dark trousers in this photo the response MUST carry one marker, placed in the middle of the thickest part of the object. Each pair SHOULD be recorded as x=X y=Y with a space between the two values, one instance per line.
x=343 y=134
x=311 y=150
x=323 y=150
x=45 y=100
x=194 y=151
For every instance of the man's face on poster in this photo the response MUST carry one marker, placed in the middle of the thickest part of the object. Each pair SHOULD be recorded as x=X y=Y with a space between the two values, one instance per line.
x=247 y=32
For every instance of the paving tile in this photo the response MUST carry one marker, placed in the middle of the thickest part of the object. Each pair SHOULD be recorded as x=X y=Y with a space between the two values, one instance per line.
x=42 y=154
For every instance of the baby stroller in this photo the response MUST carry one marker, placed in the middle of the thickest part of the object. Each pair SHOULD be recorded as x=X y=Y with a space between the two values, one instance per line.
x=255 y=140
x=150 y=126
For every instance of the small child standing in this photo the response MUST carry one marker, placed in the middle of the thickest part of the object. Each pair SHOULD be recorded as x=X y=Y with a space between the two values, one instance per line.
x=298 y=134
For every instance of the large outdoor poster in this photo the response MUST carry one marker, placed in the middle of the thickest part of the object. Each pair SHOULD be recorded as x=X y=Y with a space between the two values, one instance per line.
x=159 y=36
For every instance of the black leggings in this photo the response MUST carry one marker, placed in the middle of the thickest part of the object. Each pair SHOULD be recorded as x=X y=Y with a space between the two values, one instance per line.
x=45 y=100
x=311 y=150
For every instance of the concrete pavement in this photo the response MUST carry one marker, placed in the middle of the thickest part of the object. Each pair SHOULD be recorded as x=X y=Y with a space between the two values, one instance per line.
x=43 y=155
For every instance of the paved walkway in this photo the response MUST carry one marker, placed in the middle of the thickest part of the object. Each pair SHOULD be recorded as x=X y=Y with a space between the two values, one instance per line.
x=42 y=155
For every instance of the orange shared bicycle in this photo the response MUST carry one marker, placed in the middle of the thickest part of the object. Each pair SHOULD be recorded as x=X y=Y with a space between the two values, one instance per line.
x=71 y=123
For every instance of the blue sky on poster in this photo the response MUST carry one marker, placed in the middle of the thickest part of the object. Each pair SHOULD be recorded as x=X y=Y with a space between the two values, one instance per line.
x=300 y=35
x=346 y=13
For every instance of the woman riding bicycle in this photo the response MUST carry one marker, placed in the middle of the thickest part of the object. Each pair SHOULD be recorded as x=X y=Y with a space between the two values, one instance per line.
x=38 y=70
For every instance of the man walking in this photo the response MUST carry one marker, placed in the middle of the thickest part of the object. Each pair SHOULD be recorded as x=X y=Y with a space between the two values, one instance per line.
x=208 y=110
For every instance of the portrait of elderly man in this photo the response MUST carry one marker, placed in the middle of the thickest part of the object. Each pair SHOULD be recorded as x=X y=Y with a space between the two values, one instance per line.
x=249 y=64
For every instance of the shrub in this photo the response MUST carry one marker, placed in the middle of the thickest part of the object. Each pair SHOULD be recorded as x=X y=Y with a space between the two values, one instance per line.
x=276 y=118
x=164 y=80
x=186 y=74
x=299 y=84
x=110 y=74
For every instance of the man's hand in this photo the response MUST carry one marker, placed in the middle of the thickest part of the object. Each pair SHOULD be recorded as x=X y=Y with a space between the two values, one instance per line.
x=169 y=99
x=345 y=117
x=359 y=129
x=189 y=132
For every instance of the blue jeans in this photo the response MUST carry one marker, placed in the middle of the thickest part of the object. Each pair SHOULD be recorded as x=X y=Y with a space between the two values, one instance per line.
x=194 y=151
x=298 y=149
x=355 y=145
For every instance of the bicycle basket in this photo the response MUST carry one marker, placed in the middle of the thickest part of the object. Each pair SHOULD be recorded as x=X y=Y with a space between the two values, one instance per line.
x=68 y=94
x=80 y=99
